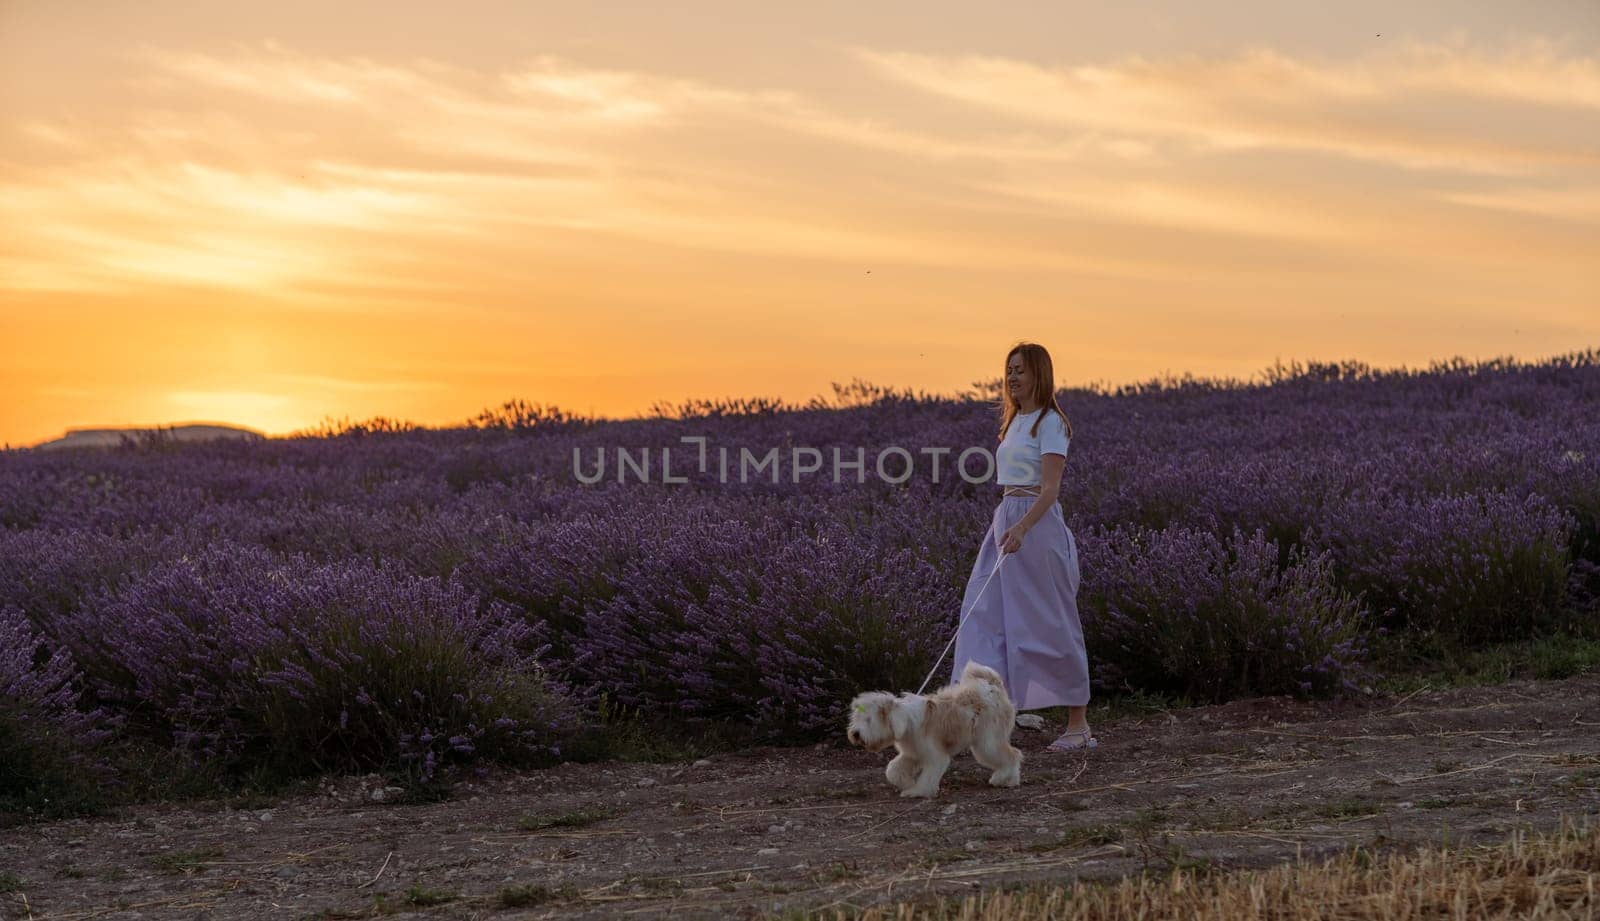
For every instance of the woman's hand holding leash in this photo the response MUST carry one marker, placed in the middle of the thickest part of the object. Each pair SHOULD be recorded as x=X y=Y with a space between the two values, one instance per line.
x=1011 y=540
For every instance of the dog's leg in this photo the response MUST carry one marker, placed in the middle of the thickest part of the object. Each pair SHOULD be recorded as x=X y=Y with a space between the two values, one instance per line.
x=933 y=765
x=902 y=771
x=996 y=753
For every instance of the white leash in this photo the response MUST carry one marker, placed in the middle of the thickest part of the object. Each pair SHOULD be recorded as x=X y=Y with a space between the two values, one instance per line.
x=964 y=617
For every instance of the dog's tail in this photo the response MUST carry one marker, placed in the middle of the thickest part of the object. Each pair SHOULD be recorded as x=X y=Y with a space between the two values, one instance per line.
x=976 y=672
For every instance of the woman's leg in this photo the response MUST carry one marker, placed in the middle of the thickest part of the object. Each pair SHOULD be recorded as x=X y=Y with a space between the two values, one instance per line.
x=1043 y=640
x=1077 y=735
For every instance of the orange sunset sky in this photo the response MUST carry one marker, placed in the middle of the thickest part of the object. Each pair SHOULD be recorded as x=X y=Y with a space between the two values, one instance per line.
x=272 y=213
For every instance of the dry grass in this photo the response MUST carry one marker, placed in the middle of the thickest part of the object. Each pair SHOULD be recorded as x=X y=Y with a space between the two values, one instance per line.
x=1556 y=875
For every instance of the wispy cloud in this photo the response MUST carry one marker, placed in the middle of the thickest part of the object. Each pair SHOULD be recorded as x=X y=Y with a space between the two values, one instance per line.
x=1419 y=106
x=358 y=385
x=233 y=402
x=1577 y=204
x=1190 y=206
x=268 y=69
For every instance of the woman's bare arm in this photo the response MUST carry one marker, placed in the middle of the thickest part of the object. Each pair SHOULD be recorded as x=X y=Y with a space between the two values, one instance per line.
x=1050 y=467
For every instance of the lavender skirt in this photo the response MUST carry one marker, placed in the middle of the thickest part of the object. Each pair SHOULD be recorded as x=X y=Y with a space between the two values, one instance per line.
x=1025 y=625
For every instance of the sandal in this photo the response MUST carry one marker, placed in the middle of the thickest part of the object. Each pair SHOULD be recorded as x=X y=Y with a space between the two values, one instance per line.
x=1072 y=740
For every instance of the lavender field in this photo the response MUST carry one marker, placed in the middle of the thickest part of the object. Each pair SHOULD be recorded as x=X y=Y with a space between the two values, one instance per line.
x=380 y=597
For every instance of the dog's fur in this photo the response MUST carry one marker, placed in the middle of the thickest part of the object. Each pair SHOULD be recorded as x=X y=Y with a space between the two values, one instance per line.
x=928 y=731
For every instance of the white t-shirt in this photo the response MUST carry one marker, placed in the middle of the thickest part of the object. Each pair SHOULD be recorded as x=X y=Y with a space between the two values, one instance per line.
x=1018 y=458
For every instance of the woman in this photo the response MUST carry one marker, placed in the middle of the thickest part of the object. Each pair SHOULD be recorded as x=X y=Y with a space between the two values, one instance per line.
x=1025 y=626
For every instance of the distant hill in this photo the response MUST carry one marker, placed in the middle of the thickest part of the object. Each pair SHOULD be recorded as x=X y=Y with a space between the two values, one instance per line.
x=110 y=438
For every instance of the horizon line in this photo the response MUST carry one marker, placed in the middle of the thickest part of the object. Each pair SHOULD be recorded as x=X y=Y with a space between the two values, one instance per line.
x=1278 y=372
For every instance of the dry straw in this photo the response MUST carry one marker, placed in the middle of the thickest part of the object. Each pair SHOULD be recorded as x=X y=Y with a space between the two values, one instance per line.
x=1554 y=875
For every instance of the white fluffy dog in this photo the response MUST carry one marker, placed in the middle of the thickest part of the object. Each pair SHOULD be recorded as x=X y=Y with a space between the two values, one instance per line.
x=928 y=731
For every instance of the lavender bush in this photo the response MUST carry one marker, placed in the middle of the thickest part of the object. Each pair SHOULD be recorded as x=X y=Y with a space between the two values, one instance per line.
x=742 y=623
x=1476 y=567
x=49 y=747
x=248 y=659
x=1186 y=612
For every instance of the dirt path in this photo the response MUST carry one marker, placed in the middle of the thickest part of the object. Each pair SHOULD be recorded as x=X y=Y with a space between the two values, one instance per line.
x=1246 y=783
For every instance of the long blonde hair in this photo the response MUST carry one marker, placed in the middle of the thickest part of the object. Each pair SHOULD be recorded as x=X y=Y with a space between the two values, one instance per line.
x=1037 y=360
